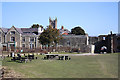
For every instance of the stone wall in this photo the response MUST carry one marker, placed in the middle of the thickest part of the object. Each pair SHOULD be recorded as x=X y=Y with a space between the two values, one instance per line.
x=75 y=41
x=27 y=41
x=16 y=35
x=115 y=43
x=93 y=40
x=2 y=36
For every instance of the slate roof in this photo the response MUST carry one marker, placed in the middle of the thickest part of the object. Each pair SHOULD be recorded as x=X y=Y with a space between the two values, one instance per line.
x=29 y=29
x=27 y=34
x=73 y=36
x=5 y=30
x=23 y=31
x=19 y=30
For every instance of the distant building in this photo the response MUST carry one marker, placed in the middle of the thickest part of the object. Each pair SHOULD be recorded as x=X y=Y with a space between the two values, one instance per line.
x=53 y=23
x=64 y=31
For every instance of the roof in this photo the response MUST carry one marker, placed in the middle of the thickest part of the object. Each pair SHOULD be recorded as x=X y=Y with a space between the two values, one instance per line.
x=19 y=30
x=5 y=30
x=74 y=36
x=29 y=29
x=28 y=34
x=23 y=31
x=64 y=31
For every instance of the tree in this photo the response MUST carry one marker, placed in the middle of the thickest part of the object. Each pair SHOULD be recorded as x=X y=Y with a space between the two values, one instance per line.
x=49 y=37
x=36 y=26
x=77 y=31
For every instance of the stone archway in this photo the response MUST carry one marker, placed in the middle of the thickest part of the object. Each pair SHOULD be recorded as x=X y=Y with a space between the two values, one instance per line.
x=104 y=49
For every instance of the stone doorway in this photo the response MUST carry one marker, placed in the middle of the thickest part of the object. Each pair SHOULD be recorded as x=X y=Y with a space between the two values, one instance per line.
x=12 y=47
x=4 y=48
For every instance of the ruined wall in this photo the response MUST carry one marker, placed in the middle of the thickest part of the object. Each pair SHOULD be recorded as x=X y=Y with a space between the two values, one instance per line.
x=105 y=40
x=75 y=41
x=93 y=40
x=115 y=43
x=118 y=43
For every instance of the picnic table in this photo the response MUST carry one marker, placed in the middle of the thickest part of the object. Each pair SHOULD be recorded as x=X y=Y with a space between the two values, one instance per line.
x=56 y=56
x=50 y=56
x=21 y=59
x=24 y=59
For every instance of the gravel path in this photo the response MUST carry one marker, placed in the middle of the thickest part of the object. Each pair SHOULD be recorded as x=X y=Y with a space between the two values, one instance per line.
x=84 y=54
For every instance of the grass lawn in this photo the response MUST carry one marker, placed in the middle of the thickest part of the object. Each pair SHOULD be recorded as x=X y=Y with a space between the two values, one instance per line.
x=99 y=66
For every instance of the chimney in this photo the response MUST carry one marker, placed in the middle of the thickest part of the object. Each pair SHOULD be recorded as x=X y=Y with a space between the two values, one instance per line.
x=62 y=27
x=40 y=30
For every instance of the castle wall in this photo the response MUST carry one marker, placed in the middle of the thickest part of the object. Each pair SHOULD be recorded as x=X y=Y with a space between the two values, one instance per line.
x=74 y=41
x=93 y=40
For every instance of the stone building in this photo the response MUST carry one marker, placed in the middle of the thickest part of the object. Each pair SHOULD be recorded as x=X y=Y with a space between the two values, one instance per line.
x=110 y=41
x=53 y=23
x=13 y=38
x=76 y=41
x=64 y=31
x=27 y=38
x=85 y=42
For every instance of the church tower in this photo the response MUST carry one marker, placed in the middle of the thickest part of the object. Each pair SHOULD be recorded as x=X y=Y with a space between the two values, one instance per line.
x=53 y=23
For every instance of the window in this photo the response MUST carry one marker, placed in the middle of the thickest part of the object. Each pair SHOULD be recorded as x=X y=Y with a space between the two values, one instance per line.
x=31 y=46
x=12 y=38
x=31 y=39
x=0 y=39
x=23 y=39
x=26 y=32
x=23 y=45
x=68 y=43
x=12 y=32
x=103 y=38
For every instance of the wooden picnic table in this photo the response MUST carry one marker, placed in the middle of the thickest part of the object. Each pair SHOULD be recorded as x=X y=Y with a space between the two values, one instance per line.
x=50 y=56
x=56 y=56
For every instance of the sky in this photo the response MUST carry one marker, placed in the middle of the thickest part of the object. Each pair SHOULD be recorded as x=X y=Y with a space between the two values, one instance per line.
x=95 y=18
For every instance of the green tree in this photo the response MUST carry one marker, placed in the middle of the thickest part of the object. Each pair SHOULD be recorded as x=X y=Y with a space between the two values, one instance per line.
x=77 y=31
x=36 y=26
x=50 y=36
x=56 y=36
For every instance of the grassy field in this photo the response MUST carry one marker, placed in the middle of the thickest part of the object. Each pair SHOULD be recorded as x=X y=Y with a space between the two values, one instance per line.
x=99 y=66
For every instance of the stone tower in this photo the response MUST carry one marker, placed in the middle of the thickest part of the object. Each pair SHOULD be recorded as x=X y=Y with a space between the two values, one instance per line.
x=53 y=23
